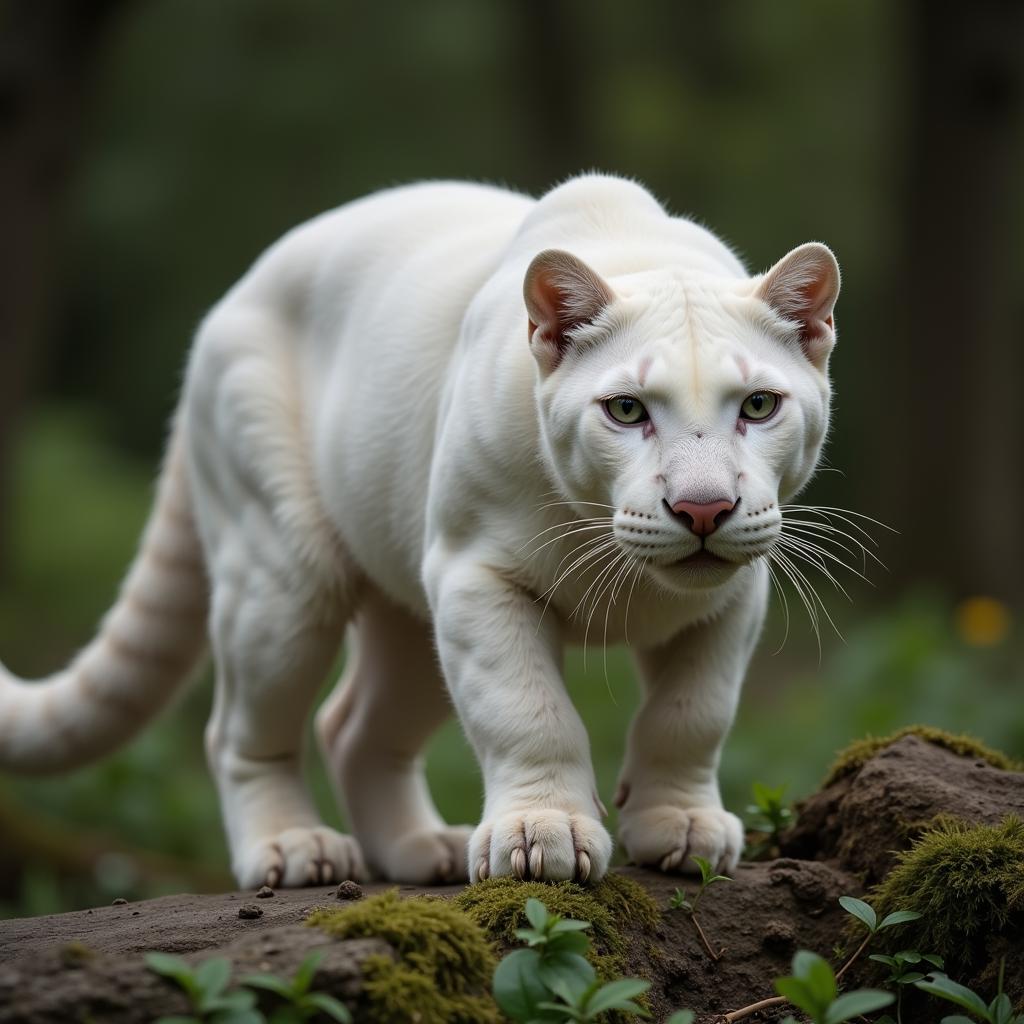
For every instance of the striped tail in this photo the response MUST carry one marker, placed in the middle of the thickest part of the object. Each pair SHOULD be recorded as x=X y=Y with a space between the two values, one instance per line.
x=147 y=645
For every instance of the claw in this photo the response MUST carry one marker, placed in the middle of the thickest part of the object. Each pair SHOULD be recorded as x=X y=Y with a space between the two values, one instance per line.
x=274 y=878
x=671 y=860
x=583 y=865
x=519 y=863
x=483 y=869
x=326 y=872
x=537 y=861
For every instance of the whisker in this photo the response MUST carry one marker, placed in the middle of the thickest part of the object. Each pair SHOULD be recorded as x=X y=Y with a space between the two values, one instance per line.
x=572 y=524
x=785 y=604
x=787 y=568
x=817 y=561
x=825 y=531
x=817 y=597
x=568 y=533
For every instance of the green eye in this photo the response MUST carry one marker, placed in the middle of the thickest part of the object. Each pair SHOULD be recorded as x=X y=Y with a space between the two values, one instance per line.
x=624 y=409
x=759 y=406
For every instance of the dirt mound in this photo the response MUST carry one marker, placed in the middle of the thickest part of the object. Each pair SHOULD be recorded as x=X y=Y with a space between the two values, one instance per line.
x=88 y=965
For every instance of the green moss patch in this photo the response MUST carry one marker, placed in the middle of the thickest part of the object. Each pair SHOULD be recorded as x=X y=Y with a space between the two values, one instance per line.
x=614 y=907
x=966 y=880
x=856 y=754
x=442 y=974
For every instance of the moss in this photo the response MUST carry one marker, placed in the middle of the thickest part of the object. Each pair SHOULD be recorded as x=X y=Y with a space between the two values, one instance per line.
x=966 y=880
x=444 y=960
x=856 y=754
x=75 y=954
x=613 y=907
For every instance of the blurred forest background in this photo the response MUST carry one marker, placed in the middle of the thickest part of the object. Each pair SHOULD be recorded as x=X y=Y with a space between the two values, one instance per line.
x=149 y=149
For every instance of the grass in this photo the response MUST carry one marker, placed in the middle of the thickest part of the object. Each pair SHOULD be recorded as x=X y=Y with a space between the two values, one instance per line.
x=79 y=510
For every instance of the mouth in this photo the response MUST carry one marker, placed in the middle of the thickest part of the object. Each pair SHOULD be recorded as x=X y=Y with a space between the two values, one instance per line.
x=702 y=559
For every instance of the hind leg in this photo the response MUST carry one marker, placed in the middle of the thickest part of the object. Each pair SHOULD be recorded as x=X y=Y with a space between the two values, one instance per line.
x=272 y=650
x=372 y=731
x=282 y=591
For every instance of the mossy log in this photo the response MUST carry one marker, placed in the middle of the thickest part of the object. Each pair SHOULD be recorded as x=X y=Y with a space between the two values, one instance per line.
x=427 y=955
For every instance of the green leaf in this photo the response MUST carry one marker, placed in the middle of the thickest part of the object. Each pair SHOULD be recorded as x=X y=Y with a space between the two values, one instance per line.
x=568 y=942
x=861 y=910
x=934 y=958
x=212 y=977
x=958 y=1018
x=516 y=985
x=881 y=958
x=854 y=1004
x=237 y=1017
x=288 y=1014
x=817 y=975
x=537 y=914
x=334 y=1009
x=798 y=993
x=615 y=994
x=909 y=979
x=908 y=956
x=1000 y=1010
x=569 y=925
x=307 y=970
x=681 y=1017
x=898 y=917
x=705 y=868
x=232 y=1002
x=172 y=967
x=270 y=982
x=943 y=987
x=567 y=972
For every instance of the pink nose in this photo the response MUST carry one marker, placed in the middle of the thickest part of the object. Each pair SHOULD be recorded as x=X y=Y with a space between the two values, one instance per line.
x=703 y=518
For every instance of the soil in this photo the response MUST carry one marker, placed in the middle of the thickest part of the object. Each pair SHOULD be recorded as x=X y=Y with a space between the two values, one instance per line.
x=87 y=965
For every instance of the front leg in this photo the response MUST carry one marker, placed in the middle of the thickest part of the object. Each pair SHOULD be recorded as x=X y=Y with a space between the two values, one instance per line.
x=501 y=659
x=670 y=805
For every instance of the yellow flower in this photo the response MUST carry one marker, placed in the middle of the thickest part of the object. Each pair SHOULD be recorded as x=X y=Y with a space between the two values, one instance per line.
x=982 y=621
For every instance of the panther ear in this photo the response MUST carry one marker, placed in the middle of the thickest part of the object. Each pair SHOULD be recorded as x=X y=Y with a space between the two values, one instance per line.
x=803 y=287
x=561 y=293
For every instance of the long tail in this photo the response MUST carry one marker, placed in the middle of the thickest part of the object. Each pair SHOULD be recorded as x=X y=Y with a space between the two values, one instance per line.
x=146 y=646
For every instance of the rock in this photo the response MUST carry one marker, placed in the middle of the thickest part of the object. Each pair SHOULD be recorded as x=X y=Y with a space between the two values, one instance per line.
x=264 y=892
x=349 y=890
x=249 y=911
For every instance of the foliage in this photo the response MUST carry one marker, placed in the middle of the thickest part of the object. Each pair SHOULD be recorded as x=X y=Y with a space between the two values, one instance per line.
x=707 y=879
x=444 y=960
x=865 y=913
x=615 y=907
x=856 y=754
x=205 y=987
x=812 y=987
x=967 y=881
x=904 y=970
x=999 y=1011
x=769 y=814
x=551 y=979
x=299 y=1004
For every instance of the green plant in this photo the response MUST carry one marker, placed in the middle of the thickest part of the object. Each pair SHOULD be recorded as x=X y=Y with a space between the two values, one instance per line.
x=442 y=967
x=813 y=988
x=967 y=880
x=815 y=977
x=770 y=815
x=679 y=901
x=299 y=1003
x=866 y=914
x=551 y=979
x=205 y=988
x=619 y=910
x=904 y=970
x=999 y=1011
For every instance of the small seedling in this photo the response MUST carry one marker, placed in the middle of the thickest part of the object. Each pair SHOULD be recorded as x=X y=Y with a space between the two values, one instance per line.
x=299 y=1003
x=205 y=987
x=999 y=1011
x=813 y=988
x=904 y=970
x=769 y=814
x=679 y=901
x=551 y=980
x=865 y=913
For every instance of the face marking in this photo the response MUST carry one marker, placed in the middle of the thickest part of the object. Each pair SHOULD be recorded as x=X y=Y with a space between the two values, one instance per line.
x=643 y=369
x=744 y=366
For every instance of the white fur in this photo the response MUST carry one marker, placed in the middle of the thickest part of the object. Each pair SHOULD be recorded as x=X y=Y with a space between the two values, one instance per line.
x=370 y=443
